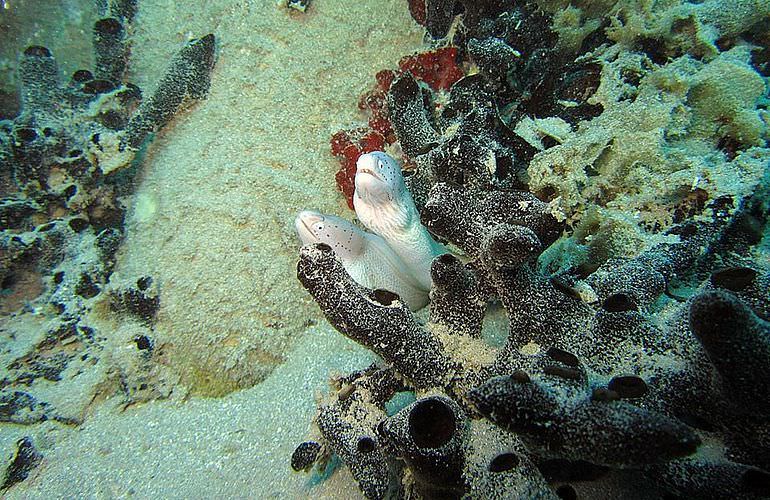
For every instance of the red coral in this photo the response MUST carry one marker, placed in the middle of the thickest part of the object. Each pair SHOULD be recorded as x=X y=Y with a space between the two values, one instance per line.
x=372 y=141
x=437 y=68
x=384 y=127
x=339 y=142
x=347 y=146
x=384 y=79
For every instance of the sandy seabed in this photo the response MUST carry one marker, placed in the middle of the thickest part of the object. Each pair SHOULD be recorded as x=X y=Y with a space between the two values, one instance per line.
x=211 y=222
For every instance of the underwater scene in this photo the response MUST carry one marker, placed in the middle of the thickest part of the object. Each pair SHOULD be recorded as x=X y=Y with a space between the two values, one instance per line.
x=385 y=249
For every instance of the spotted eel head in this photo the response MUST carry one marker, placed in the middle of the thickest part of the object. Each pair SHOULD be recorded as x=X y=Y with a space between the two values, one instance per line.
x=346 y=240
x=378 y=179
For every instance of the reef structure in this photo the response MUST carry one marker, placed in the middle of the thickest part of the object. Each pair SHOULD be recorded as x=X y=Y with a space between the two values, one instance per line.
x=636 y=352
x=67 y=163
x=438 y=69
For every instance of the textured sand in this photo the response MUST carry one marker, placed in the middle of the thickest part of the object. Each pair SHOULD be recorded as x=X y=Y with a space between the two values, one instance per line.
x=211 y=222
x=223 y=184
x=237 y=446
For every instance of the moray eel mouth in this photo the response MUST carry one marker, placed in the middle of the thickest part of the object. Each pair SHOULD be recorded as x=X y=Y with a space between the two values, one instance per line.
x=369 y=171
x=371 y=183
x=305 y=223
x=372 y=187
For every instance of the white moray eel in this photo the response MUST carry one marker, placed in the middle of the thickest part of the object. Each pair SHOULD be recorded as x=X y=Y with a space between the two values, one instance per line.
x=366 y=257
x=385 y=206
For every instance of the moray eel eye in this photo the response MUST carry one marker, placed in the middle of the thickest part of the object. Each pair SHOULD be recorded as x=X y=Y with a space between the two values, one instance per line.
x=309 y=225
x=375 y=177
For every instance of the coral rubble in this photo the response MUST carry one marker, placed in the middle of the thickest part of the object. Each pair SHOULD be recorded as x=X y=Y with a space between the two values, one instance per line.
x=585 y=174
x=66 y=162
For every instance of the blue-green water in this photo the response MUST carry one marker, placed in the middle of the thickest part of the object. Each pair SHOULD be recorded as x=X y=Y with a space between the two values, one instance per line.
x=600 y=169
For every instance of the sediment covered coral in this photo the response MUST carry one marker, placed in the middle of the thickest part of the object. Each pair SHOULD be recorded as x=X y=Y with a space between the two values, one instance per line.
x=637 y=343
x=66 y=162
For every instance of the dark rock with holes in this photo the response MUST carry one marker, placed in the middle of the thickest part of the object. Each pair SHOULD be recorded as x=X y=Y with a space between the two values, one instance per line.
x=141 y=302
x=467 y=143
x=627 y=386
x=499 y=465
x=738 y=344
x=64 y=179
x=747 y=284
x=353 y=439
x=517 y=52
x=609 y=433
x=606 y=370
x=369 y=316
x=348 y=422
x=458 y=301
x=111 y=49
x=636 y=374
x=468 y=219
x=701 y=478
x=492 y=54
x=439 y=15
x=412 y=115
x=627 y=285
x=430 y=435
x=39 y=77
x=187 y=78
x=305 y=455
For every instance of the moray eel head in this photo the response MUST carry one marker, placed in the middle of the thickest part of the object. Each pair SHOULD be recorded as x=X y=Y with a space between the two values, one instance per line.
x=309 y=224
x=378 y=178
x=345 y=239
